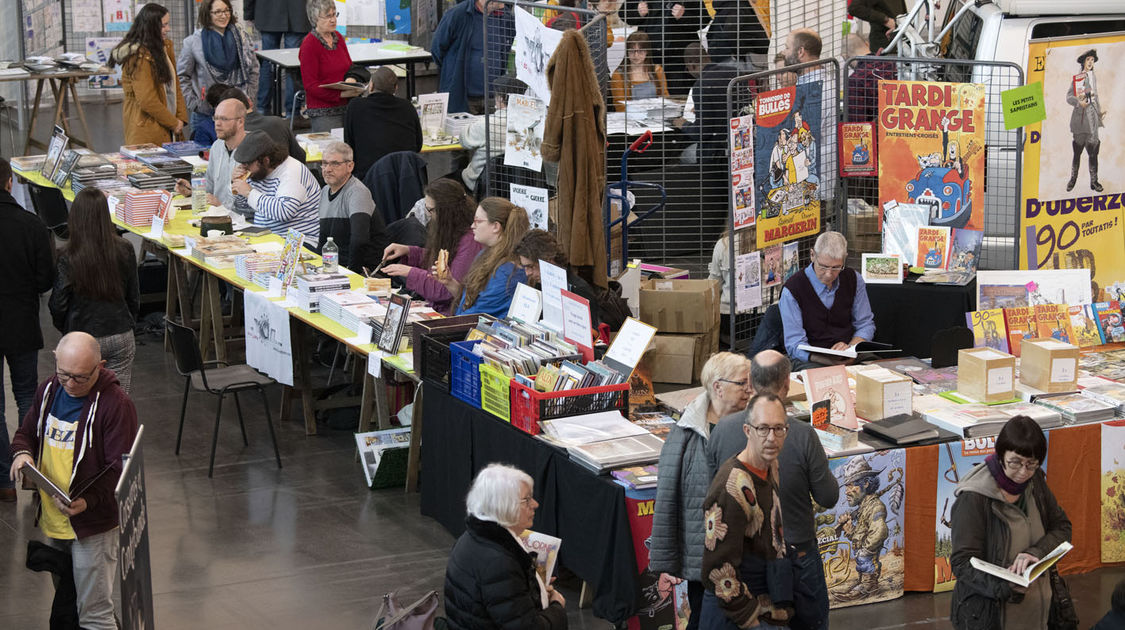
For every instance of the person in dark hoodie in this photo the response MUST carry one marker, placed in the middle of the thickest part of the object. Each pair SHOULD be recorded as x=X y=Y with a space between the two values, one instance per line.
x=80 y=425
x=381 y=122
x=491 y=581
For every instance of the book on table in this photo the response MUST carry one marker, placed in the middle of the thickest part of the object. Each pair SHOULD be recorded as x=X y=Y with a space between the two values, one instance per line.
x=850 y=352
x=903 y=428
x=1030 y=573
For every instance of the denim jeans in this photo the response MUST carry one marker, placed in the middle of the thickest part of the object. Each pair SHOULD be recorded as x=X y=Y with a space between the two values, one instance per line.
x=24 y=369
x=271 y=40
x=811 y=590
x=95 y=573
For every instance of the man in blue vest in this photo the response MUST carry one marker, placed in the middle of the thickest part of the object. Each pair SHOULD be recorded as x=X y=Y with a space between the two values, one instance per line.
x=826 y=306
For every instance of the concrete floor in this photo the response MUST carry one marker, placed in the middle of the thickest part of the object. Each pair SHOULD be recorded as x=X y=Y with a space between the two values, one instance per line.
x=308 y=545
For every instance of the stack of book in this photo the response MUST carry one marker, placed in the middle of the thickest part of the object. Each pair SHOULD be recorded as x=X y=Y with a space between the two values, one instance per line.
x=372 y=313
x=93 y=176
x=519 y=348
x=1108 y=392
x=136 y=151
x=975 y=419
x=139 y=208
x=332 y=303
x=147 y=178
x=572 y=375
x=603 y=441
x=457 y=122
x=221 y=252
x=186 y=148
x=635 y=477
x=658 y=423
x=167 y=163
x=1078 y=409
x=248 y=266
x=308 y=287
x=29 y=163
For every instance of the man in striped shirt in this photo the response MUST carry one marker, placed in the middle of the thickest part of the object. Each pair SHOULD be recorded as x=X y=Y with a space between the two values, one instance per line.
x=282 y=192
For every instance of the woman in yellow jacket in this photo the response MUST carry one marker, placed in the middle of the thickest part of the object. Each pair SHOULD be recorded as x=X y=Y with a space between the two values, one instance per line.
x=637 y=77
x=154 y=109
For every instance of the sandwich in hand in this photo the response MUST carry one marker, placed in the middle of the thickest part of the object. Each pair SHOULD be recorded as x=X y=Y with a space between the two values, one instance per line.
x=441 y=265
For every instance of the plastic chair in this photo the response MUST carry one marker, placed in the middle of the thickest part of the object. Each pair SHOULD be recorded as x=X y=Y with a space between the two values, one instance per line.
x=50 y=205
x=217 y=381
x=946 y=343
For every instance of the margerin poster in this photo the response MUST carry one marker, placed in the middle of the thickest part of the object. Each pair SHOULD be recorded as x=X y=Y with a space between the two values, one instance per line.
x=786 y=142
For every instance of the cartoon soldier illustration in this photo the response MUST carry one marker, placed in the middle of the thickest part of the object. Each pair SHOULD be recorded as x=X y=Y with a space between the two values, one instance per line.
x=1086 y=118
x=865 y=526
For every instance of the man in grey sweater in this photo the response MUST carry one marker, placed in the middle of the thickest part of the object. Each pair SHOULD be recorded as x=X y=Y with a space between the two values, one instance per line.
x=804 y=478
x=347 y=212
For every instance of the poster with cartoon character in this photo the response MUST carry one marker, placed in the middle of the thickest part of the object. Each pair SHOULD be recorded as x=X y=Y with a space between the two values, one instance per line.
x=931 y=149
x=523 y=146
x=786 y=163
x=1071 y=214
x=534 y=44
x=861 y=537
x=1113 y=491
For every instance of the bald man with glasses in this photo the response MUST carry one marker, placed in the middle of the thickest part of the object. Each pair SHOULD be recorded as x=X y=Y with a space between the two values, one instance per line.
x=825 y=305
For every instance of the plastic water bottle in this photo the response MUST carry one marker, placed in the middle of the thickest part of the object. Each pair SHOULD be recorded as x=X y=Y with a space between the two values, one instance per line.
x=331 y=255
x=199 y=189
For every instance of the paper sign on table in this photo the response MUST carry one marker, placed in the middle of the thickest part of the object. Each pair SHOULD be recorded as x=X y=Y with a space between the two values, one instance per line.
x=577 y=326
x=363 y=336
x=629 y=345
x=552 y=279
x=275 y=287
x=527 y=304
x=375 y=363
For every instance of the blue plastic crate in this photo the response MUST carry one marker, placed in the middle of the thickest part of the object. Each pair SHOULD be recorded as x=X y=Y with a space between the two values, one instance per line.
x=464 y=382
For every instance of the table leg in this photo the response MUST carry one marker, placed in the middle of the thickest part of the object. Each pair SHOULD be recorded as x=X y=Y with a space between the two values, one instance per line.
x=86 y=141
x=212 y=288
x=278 y=89
x=414 y=452
x=303 y=382
x=59 y=91
x=34 y=116
x=206 y=328
x=410 y=76
x=171 y=292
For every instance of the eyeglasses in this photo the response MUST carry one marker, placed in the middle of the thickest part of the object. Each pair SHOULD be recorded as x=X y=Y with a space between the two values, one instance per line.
x=741 y=383
x=764 y=431
x=477 y=222
x=527 y=500
x=329 y=16
x=1016 y=464
x=79 y=379
x=334 y=164
x=220 y=12
x=827 y=267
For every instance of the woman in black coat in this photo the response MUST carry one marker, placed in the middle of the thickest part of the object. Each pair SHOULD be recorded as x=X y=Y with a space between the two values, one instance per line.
x=490 y=581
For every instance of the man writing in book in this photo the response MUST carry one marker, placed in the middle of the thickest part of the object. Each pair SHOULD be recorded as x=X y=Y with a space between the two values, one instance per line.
x=80 y=425
x=825 y=305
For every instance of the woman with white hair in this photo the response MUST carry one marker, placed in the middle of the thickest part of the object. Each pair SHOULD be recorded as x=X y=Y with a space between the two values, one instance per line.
x=490 y=581
x=676 y=545
x=324 y=59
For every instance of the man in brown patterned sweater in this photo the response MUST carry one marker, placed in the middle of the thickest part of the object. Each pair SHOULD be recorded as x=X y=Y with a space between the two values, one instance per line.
x=746 y=574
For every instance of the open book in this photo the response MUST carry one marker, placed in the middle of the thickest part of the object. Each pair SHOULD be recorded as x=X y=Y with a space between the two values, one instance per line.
x=32 y=474
x=1030 y=573
x=851 y=351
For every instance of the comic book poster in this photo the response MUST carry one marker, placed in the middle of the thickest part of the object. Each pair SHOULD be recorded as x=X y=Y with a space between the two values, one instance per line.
x=931 y=149
x=1113 y=491
x=857 y=150
x=786 y=166
x=861 y=537
x=933 y=247
x=742 y=170
x=1071 y=213
x=790 y=260
x=534 y=44
x=656 y=602
x=771 y=266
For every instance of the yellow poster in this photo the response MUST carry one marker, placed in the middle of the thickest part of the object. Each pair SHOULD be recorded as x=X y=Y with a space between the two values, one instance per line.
x=1071 y=204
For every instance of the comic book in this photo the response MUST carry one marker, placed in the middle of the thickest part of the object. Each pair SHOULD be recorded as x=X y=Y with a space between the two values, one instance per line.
x=1085 y=326
x=1020 y=324
x=1110 y=322
x=1052 y=321
x=988 y=329
x=771 y=266
x=933 y=247
x=832 y=383
x=966 y=250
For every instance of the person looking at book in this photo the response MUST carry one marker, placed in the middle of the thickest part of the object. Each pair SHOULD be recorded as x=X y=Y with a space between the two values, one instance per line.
x=450 y=230
x=219 y=51
x=81 y=424
x=491 y=579
x=825 y=306
x=324 y=59
x=27 y=270
x=281 y=191
x=347 y=213
x=802 y=473
x=153 y=109
x=678 y=535
x=539 y=245
x=1005 y=513
x=230 y=126
x=747 y=575
x=498 y=225
x=96 y=286
x=639 y=77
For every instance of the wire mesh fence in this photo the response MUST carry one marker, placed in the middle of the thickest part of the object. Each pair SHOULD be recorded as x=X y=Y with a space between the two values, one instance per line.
x=782 y=191
x=952 y=198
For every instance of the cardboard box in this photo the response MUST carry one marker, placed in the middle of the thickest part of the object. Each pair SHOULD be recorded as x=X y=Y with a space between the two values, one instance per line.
x=881 y=393
x=1049 y=365
x=681 y=306
x=986 y=374
x=680 y=358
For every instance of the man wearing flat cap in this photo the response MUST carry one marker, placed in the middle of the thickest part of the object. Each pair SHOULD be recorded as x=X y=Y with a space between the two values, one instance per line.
x=1086 y=119
x=282 y=192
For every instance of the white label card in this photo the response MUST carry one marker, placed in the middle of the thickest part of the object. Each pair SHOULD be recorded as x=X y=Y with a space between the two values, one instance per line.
x=577 y=324
x=630 y=343
x=898 y=398
x=274 y=288
x=999 y=380
x=375 y=363
x=1062 y=370
x=363 y=336
x=527 y=304
x=157 y=230
x=553 y=280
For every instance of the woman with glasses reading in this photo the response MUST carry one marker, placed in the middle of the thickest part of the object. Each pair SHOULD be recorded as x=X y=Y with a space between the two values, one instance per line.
x=96 y=288
x=219 y=51
x=498 y=225
x=449 y=230
x=324 y=59
x=1007 y=515
x=676 y=551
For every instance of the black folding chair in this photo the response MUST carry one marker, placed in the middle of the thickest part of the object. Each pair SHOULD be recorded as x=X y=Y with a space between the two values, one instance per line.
x=217 y=381
x=50 y=205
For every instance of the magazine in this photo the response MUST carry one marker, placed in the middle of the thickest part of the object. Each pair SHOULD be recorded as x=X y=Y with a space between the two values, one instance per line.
x=545 y=549
x=1030 y=573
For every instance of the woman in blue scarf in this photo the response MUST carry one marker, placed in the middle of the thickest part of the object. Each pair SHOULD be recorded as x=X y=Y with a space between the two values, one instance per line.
x=219 y=51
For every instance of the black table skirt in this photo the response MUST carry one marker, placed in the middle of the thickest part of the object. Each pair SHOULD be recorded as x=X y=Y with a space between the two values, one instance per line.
x=907 y=315
x=585 y=510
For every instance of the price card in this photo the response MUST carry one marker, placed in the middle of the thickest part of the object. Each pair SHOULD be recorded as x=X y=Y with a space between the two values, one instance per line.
x=527 y=304
x=375 y=363
x=1062 y=370
x=577 y=327
x=274 y=288
x=629 y=345
x=156 y=232
x=999 y=380
x=363 y=336
x=553 y=280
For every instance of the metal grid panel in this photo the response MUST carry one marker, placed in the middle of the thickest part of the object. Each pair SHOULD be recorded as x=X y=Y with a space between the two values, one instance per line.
x=497 y=177
x=826 y=17
x=816 y=88
x=1003 y=149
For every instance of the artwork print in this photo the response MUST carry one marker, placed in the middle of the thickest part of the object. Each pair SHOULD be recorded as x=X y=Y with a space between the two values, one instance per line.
x=787 y=160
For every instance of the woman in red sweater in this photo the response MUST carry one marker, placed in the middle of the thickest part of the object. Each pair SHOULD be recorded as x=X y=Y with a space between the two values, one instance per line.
x=324 y=59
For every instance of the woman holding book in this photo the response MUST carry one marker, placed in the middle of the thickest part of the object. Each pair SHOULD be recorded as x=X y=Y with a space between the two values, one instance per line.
x=1006 y=515
x=676 y=550
x=491 y=579
x=449 y=229
x=96 y=288
x=498 y=225
x=153 y=110
x=638 y=77
x=324 y=59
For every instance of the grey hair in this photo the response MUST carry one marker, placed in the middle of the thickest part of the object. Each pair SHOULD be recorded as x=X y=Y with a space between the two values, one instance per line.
x=831 y=245
x=723 y=365
x=495 y=494
x=317 y=8
x=341 y=149
x=772 y=378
